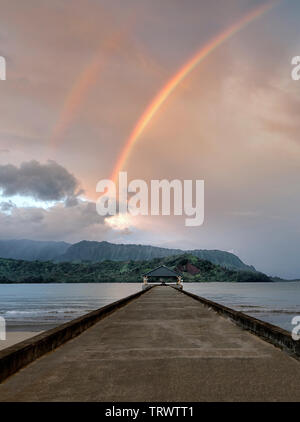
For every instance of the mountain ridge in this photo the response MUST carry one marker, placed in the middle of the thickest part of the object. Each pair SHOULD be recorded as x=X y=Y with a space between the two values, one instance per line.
x=32 y=250
x=101 y=251
x=93 y=251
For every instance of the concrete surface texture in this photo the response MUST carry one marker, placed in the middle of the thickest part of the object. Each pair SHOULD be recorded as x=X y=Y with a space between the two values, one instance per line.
x=162 y=346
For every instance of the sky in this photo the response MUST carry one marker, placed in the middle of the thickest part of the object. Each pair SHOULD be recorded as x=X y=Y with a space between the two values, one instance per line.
x=80 y=75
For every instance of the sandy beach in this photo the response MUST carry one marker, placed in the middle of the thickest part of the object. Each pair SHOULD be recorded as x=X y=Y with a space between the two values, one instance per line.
x=13 y=337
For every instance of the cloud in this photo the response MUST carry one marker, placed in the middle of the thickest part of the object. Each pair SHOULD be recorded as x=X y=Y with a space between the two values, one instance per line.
x=57 y=222
x=7 y=206
x=46 y=182
x=250 y=214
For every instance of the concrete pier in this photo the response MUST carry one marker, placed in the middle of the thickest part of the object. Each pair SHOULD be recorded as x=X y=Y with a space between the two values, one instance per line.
x=161 y=346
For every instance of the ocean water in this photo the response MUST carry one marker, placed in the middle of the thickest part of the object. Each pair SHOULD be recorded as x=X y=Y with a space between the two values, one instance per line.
x=36 y=307
x=276 y=303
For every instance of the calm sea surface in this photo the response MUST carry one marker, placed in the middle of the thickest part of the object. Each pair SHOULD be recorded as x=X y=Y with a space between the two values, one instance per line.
x=36 y=307
x=276 y=303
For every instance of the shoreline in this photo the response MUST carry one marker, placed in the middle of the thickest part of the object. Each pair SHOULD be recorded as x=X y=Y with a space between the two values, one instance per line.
x=14 y=337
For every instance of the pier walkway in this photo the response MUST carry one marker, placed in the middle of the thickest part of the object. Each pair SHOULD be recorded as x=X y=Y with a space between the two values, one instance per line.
x=162 y=346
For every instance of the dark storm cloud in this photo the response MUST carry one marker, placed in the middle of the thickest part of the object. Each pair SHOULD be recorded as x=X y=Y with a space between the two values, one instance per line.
x=46 y=182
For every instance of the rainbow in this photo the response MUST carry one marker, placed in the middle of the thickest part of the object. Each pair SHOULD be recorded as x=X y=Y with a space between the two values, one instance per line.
x=82 y=85
x=179 y=76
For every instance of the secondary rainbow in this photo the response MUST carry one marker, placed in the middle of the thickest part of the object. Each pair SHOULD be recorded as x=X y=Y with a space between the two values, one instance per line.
x=175 y=80
x=89 y=76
